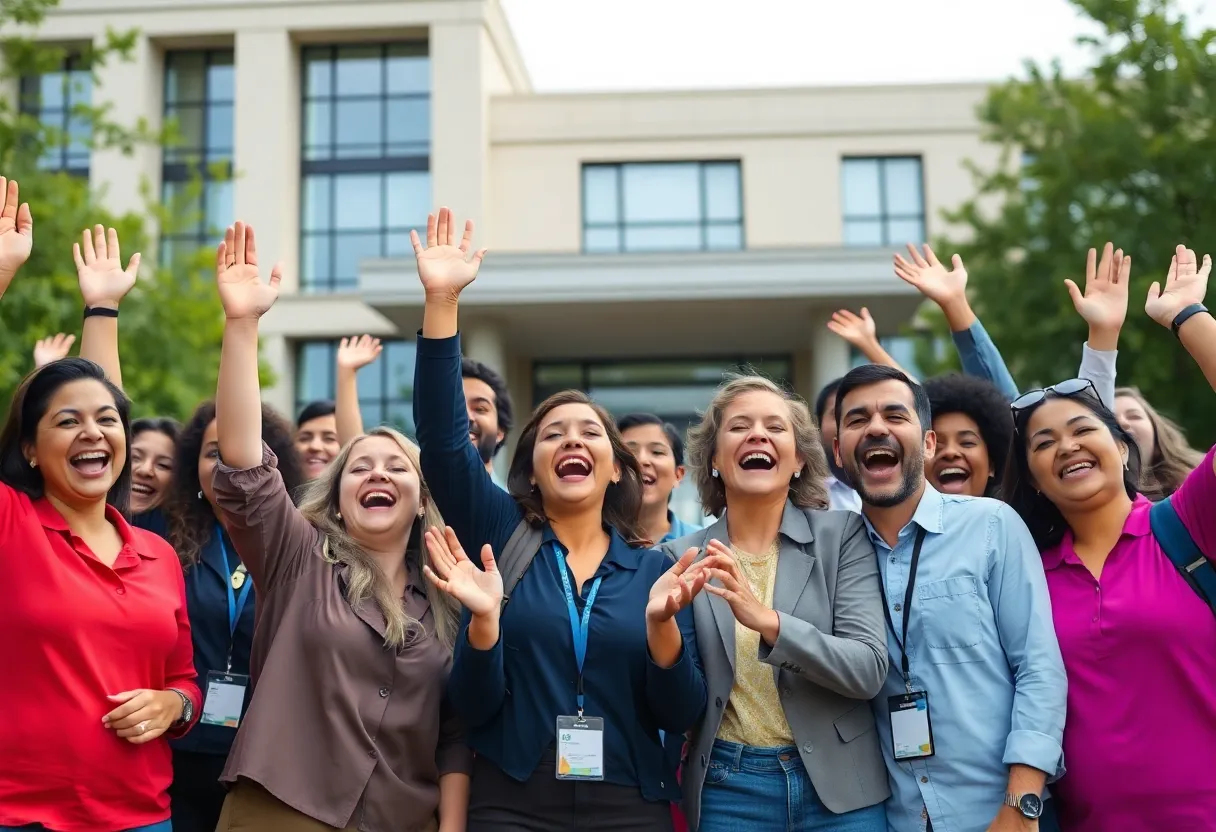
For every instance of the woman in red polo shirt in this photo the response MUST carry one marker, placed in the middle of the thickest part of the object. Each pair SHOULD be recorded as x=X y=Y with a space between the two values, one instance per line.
x=95 y=652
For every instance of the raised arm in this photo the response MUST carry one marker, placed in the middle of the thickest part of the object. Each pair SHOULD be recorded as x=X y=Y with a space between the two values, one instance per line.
x=1103 y=305
x=861 y=332
x=353 y=355
x=16 y=232
x=52 y=348
x=103 y=285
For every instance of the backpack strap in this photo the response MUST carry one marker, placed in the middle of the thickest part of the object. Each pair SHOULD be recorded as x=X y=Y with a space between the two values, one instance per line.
x=1181 y=549
x=516 y=556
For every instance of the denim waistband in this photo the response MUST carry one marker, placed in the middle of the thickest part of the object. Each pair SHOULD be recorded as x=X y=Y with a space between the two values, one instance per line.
x=737 y=755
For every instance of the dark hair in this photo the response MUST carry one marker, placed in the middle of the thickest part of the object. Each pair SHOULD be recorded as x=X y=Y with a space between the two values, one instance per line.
x=502 y=397
x=1040 y=514
x=314 y=410
x=868 y=374
x=191 y=519
x=622 y=502
x=160 y=424
x=29 y=405
x=637 y=420
x=984 y=403
x=821 y=400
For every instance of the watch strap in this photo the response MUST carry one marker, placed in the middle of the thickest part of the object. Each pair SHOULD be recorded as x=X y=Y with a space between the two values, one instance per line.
x=187 y=708
x=1185 y=315
x=100 y=312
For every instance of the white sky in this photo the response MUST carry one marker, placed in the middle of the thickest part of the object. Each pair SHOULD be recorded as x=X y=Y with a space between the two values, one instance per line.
x=678 y=44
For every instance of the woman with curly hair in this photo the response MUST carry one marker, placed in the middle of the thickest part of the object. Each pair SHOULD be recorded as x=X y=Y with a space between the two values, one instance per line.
x=219 y=598
x=1168 y=459
x=974 y=428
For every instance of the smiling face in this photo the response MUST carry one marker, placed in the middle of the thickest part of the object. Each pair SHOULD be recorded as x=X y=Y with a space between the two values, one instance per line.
x=151 y=469
x=81 y=445
x=1074 y=459
x=755 y=451
x=482 y=406
x=881 y=444
x=1133 y=419
x=572 y=461
x=961 y=464
x=379 y=495
x=208 y=456
x=660 y=474
x=317 y=444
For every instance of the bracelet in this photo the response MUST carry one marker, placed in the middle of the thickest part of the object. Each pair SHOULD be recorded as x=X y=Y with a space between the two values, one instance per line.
x=1185 y=315
x=100 y=312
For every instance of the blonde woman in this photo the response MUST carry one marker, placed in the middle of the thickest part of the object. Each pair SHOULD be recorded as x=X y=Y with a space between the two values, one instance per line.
x=348 y=727
x=790 y=632
x=1168 y=459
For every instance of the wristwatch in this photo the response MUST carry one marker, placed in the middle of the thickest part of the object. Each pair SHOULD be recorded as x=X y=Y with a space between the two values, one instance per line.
x=187 y=708
x=1029 y=805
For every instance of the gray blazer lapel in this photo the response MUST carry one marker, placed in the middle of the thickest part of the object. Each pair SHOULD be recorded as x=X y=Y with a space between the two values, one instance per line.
x=723 y=617
x=795 y=563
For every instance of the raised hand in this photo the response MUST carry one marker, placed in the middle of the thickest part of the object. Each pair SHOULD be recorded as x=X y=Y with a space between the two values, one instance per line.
x=737 y=591
x=451 y=571
x=858 y=330
x=1186 y=283
x=675 y=588
x=443 y=267
x=930 y=277
x=357 y=353
x=16 y=232
x=103 y=280
x=52 y=348
x=242 y=292
x=1103 y=304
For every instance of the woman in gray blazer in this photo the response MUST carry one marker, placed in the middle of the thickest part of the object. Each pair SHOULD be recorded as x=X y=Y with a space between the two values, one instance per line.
x=790 y=632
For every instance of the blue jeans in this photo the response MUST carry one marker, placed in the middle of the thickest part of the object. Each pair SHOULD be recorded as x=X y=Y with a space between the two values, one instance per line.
x=768 y=790
x=163 y=826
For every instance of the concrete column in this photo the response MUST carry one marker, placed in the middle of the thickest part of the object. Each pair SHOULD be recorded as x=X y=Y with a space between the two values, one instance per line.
x=134 y=90
x=482 y=340
x=277 y=353
x=830 y=356
x=459 y=121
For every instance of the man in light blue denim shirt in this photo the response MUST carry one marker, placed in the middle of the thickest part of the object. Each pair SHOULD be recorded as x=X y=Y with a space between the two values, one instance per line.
x=980 y=639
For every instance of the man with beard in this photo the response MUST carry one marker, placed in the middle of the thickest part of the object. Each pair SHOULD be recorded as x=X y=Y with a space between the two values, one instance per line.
x=489 y=406
x=840 y=494
x=971 y=716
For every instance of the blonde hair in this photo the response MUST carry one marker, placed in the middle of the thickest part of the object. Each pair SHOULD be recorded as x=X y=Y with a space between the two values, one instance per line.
x=319 y=504
x=806 y=491
x=1173 y=458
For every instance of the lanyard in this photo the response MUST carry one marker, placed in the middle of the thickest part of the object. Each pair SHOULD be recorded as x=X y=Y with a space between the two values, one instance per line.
x=903 y=641
x=236 y=603
x=579 y=628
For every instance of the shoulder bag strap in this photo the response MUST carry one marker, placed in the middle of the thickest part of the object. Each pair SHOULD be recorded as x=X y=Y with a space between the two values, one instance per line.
x=1182 y=551
x=517 y=556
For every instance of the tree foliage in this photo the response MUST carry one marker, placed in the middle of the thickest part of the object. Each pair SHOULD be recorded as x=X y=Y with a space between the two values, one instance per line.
x=171 y=323
x=1125 y=153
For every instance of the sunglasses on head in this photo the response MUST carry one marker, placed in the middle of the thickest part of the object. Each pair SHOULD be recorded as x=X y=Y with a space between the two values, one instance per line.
x=1068 y=389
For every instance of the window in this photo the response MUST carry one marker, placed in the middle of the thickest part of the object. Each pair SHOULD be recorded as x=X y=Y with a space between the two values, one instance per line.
x=366 y=158
x=884 y=201
x=197 y=175
x=662 y=206
x=386 y=387
x=53 y=98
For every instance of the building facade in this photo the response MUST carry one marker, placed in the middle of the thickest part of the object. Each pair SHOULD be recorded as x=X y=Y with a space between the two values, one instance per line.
x=641 y=244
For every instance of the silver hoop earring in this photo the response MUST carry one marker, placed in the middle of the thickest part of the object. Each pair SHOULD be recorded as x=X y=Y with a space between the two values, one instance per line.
x=200 y=495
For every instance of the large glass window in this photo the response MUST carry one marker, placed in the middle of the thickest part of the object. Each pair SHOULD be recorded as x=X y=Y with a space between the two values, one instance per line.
x=55 y=99
x=662 y=206
x=366 y=158
x=197 y=175
x=386 y=386
x=884 y=202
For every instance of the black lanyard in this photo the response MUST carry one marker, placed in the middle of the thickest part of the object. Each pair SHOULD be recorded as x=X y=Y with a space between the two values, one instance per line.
x=902 y=641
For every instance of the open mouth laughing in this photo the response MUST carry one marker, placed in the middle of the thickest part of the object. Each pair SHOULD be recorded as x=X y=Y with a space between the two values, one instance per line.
x=880 y=461
x=1077 y=469
x=91 y=464
x=758 y=461
x=953 y=479
x=378 y=499
x=572 y=468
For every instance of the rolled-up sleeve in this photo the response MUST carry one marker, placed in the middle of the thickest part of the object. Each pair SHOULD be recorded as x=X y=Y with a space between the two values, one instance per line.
x=677 y=694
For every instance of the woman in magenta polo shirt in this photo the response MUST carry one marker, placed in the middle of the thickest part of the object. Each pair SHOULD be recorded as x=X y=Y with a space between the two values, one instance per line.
x=1139 y=643
x=94 y=639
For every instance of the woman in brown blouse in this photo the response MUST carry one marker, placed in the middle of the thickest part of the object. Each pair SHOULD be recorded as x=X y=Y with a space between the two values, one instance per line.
x=349 y=727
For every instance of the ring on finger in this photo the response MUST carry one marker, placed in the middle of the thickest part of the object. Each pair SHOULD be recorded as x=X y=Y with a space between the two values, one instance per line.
x=143 y=726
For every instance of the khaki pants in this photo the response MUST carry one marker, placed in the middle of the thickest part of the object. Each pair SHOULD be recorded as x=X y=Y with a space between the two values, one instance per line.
x=250 y=808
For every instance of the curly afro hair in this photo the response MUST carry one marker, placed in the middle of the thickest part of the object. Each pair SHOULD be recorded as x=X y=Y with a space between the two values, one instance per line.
x=984 y=403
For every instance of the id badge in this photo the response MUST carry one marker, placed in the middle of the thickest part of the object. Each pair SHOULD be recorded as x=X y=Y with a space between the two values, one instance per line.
x=225 y=699
x=580 y=748
x=911 y=727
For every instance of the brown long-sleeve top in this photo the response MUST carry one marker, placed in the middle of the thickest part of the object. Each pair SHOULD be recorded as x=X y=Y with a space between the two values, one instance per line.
x=340 y=727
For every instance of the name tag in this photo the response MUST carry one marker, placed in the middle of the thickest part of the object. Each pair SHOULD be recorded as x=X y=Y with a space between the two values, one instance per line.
x=911 y=727
x=225 y=699
x=580 y=748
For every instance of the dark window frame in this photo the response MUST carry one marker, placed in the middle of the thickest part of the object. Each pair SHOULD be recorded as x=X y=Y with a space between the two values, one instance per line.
x=30 y=90
x=884 y=216
x=382 y=365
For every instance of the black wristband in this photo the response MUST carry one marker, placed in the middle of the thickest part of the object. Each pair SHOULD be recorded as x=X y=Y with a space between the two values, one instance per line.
x=1185 y=315
x=100 y=312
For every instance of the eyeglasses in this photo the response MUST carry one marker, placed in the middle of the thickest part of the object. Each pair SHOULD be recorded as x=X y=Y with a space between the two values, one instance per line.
x=1068 y=389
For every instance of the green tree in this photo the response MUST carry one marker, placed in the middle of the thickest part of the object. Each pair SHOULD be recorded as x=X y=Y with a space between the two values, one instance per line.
x=171 y=323
x=1125 y=153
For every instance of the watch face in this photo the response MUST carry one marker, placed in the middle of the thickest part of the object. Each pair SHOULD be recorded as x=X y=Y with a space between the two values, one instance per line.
x=1030 y=806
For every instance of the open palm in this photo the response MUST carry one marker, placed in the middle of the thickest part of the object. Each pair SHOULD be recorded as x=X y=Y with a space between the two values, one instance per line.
x=451 y=571
x=858 y=330
x=103 y=280
x=1186 y=283
x=241 y=289
x=930 y=277
x=16 y=231
x=675 y=588
x=443 y=267
x=1103 y=304
x=356 y=353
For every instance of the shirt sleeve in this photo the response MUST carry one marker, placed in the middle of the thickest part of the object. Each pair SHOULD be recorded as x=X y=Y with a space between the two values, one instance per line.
x=452 y=756
x=981 y=358
x=1017 y=591
x=677 y=694
x=274 y=540
x=1098 y=366
x=179 y=672
x=478 y=684
x=1195 y=502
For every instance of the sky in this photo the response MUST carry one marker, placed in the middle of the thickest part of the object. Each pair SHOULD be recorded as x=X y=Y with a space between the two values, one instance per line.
x=600 y=45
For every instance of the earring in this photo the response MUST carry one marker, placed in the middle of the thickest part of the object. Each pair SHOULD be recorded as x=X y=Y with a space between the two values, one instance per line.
x=338 y=514
x=714 y=472
x=421 y=512
x=798 y=473
x=33 y=463
x=200 y=495
x=1126 y=465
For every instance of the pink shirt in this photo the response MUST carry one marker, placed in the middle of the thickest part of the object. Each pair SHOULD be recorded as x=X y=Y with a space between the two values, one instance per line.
x=1140 y=650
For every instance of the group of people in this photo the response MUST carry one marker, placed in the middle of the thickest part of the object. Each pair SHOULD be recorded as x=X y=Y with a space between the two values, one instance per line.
x=948 y=606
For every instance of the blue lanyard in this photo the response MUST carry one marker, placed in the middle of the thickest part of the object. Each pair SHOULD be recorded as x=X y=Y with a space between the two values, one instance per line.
x=236 y=604
x=579 y=628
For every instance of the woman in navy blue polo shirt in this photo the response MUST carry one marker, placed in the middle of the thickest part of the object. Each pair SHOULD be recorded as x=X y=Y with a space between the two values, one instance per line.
x=596 y=638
